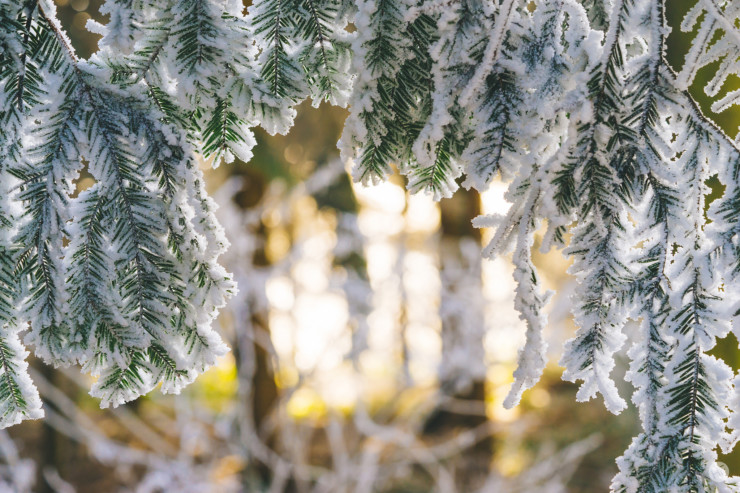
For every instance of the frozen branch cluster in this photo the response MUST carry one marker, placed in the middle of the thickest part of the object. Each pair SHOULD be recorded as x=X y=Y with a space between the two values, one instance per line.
x=571 y=103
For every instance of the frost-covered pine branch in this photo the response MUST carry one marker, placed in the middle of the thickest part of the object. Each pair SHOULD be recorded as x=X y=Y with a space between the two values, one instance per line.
x=572 y=104
x=717 y=40
x=121 y=278
x=19 y=399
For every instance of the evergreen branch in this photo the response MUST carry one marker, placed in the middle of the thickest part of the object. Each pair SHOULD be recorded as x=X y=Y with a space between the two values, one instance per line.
x=30 y=7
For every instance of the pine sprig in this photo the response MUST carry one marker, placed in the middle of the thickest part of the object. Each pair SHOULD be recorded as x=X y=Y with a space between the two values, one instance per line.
x=19 y=398
x=596 y=174
x=717 y=40
x=383 y=44
x=325 y=55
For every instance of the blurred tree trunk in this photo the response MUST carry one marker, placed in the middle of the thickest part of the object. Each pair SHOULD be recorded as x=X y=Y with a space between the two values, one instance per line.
x=49 y=439
x=463 y=370
x=258 y=389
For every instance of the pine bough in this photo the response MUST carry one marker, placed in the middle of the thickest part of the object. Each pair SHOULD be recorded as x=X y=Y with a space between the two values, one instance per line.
x=572 y=103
